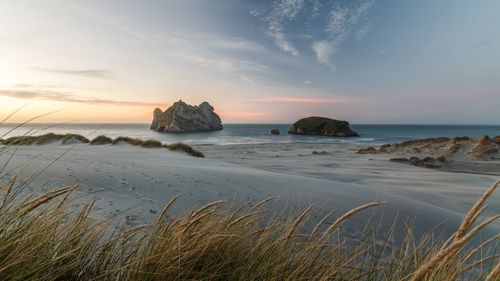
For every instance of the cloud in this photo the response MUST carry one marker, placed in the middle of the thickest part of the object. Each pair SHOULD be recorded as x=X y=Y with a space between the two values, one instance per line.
x=307 y=82
x=236 y=44
x=343 y=21
x=248 y=80
x=324 y=51
x=282 y=12
x=92 y=73
x=68 y=97
x=322 y=100
x=363 y=31
x=204 y=49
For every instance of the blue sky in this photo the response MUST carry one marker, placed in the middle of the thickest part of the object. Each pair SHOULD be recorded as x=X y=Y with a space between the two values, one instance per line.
x=367 y=61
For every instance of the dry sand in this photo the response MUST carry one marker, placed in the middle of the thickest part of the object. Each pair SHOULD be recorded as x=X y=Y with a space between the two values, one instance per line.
x=132 y=184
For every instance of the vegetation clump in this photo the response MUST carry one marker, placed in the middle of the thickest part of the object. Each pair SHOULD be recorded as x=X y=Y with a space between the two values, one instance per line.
x=100 y=140
x=152 y=144
x=68 y=137
x=41 y=240
x=131 y=141
x=186 y=148
x=138 y=142
x=43 y=139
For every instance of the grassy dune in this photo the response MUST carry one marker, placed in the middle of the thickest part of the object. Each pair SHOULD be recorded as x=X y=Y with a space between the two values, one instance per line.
x=41 y=240
x=99 y=140
x=42 y=139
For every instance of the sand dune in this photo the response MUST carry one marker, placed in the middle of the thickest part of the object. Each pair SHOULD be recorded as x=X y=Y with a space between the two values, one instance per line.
x=133 y=184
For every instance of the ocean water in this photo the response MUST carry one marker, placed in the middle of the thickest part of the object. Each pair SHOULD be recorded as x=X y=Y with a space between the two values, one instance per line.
x=255 y=133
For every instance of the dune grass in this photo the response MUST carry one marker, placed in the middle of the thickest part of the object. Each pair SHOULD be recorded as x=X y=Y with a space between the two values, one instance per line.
x=186 y=148
x=41 y=240
x=99 y=140
x=43 y=139
x=152 y=144
x=68 y=137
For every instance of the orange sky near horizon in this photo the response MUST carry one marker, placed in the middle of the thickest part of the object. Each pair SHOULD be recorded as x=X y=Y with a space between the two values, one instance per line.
x=116 y=61
x=62 y=112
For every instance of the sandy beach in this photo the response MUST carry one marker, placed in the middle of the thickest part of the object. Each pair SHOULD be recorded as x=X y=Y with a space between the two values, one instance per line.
x=131 y=185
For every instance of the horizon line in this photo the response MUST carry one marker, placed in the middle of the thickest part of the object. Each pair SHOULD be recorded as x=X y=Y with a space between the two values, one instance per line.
x=259 y=123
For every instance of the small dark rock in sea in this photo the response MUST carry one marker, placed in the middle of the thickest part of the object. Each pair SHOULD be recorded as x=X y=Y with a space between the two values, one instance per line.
x=319 y=152
x=275 y=132
x=368 y=150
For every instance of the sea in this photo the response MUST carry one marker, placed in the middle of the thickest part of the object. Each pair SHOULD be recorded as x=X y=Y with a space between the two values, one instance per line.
x=253 y=133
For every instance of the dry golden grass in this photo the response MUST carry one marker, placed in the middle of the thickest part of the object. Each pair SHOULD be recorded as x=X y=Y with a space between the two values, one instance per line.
x=41 y=239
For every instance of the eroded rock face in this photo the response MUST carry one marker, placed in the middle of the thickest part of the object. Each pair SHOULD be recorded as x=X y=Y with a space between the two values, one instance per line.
x=484 y=148
x=181 y=117
x=322 y=126
x=427 y=162
x=368 y=150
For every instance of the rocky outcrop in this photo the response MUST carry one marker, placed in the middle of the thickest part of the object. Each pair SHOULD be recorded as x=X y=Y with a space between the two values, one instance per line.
x=275 y=132
x=321 y=126
x=427 y=162
x=368 y=150
x=181 y=117
x=496 y=139
x=484 y=148
x=457 y=148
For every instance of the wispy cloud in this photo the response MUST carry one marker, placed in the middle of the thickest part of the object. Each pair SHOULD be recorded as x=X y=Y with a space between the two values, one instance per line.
x=319 y=100
x=282 y=12
x=206 y=50
x=248 y=80
x=343 y=21
x=244 y=114
x=92 y=73
x=69 y=97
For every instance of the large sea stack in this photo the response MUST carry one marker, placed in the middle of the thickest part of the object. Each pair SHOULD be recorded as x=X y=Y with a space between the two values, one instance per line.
x=182 y=117
x=321 y=126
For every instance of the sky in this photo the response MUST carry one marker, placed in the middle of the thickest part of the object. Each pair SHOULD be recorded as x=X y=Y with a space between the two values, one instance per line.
x=262 y=61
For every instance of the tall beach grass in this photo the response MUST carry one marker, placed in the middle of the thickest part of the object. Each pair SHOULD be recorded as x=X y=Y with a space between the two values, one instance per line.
x=42 y=239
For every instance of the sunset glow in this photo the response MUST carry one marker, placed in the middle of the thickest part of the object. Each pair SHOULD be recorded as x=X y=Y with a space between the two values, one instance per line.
x=255 y=61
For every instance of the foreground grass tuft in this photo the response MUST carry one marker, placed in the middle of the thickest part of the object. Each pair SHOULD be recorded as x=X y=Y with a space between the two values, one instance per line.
x=41 y=240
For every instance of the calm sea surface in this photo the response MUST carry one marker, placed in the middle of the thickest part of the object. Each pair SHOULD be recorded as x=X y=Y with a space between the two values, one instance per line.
x=256 y=133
